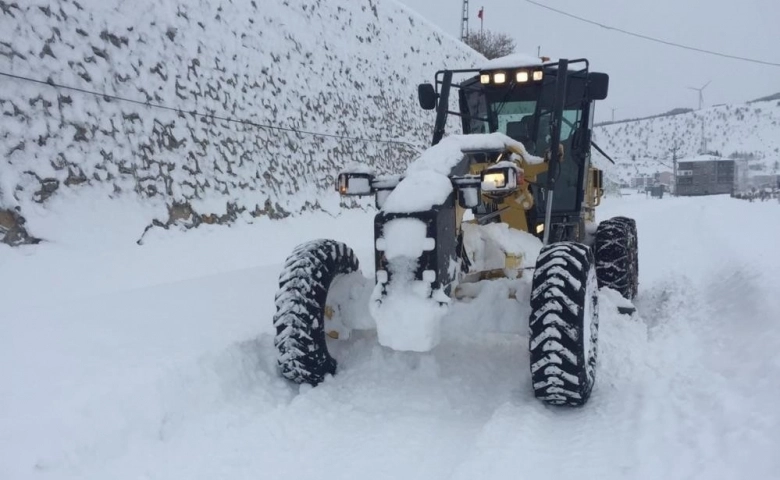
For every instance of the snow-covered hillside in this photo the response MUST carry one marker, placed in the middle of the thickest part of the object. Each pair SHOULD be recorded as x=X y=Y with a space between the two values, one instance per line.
x=125 y=362
x=643 y=147
x=339 y=67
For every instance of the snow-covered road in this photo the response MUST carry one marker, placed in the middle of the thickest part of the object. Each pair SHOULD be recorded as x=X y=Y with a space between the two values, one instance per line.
x=156 y=362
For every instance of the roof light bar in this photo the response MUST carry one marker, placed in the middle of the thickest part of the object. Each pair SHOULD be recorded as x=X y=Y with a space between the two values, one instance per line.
x=519 y=76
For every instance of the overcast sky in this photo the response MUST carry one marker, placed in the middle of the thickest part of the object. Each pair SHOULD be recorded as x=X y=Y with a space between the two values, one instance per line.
x=646 y=78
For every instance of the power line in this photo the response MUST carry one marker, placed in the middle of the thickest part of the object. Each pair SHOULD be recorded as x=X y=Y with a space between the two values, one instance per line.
x=654 y=39
x=207 y=115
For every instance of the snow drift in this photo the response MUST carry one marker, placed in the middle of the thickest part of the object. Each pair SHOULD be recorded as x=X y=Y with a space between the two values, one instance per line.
x=127 y=363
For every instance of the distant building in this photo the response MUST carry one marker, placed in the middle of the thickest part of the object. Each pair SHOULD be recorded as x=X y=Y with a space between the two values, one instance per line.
x=753 y=176
x=664 y=178
x=641 y=182
x=764 y=181
x=644 y=182
x=705 y=175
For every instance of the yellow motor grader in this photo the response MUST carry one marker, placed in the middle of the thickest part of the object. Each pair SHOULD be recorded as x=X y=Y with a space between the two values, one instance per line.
x=520 y=173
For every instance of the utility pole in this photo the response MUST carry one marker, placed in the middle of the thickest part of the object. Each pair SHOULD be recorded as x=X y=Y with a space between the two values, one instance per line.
x=464 y=22
x=675 y=148
x=703 y=138
x=703 y=146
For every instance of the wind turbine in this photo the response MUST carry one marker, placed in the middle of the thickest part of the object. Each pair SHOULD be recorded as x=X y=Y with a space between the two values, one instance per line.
x=701 y=93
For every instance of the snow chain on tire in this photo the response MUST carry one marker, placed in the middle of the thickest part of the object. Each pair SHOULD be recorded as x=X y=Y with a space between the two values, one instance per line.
x=617 y=261
x=564 y=324
x=303 y=355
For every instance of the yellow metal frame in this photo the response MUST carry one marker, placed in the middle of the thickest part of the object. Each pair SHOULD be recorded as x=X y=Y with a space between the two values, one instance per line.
x=516 y=204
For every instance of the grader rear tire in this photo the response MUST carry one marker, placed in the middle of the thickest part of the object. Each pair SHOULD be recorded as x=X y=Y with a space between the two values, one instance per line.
x=617 y=258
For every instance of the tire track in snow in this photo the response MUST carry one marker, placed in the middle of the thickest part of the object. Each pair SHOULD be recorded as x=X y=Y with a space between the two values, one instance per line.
x=661 y=409
x=526 y=436
x=688 y=391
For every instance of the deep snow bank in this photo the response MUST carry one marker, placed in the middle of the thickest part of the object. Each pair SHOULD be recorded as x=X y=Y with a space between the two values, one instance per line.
x=341 y=67
x=128 y=363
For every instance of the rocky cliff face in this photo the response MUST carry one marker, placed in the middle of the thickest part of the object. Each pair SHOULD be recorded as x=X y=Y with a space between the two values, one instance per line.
x=238 y=86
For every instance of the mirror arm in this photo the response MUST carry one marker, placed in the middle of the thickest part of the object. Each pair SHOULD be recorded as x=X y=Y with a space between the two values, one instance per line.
x=602 y=152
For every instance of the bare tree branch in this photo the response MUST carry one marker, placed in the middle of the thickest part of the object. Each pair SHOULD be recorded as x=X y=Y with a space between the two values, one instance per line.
x=491 y=44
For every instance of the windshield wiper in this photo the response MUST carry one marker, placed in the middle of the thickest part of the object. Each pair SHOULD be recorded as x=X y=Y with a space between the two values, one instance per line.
x=504 y=100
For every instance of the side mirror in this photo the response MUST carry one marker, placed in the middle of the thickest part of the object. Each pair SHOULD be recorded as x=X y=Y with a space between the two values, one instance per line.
x=354 y=184
x=598 y=85
x=427 y=96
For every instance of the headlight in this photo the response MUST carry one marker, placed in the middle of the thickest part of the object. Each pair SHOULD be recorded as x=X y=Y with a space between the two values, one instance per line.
x=540 y=228
x=499 y=78
x=484 y=79
x=492 y=181
x=538 y=75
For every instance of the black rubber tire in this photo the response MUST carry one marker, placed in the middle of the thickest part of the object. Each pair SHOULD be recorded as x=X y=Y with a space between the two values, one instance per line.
x=617 y=257
x=303 y=355
x=564 y=324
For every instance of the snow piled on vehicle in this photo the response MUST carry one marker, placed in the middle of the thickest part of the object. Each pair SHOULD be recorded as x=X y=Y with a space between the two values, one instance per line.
x=348 y=301
x=406 y=310
x=488 y=245
x=408 y=317
x=427 y=183
x=418 y=192
x=515 y=60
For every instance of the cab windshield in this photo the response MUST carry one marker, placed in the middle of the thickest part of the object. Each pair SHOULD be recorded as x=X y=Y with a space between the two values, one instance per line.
x=517 y=113
x=516 y=120
x=567 y=185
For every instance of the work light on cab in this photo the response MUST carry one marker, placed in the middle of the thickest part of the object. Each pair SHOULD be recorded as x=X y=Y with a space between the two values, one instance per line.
x=502 y=77
x=521 y=77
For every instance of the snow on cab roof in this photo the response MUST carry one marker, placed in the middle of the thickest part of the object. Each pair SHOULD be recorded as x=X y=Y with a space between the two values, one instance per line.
x=514 y=60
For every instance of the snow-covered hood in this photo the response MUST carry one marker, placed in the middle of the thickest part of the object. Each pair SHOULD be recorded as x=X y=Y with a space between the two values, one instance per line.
x=427 y=182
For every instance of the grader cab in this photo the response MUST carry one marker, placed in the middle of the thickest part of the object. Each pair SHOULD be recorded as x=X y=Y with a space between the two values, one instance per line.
x=551 y=115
